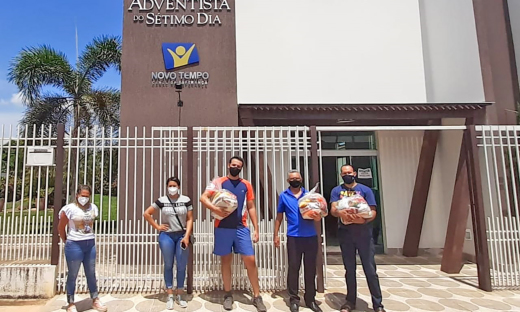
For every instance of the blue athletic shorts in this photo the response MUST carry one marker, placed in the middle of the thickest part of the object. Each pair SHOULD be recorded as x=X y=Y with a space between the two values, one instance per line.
x=233 y=240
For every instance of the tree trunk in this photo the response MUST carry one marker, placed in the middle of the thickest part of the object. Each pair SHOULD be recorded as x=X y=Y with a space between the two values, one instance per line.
x=73 y=153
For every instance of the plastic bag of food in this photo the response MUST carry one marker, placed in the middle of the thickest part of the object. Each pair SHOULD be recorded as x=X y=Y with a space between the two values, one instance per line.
x=312 y=201
x=356 y=204
x=221 y=198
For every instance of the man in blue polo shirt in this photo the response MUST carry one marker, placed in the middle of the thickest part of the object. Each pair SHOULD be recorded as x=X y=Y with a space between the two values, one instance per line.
x=302 y=240
x=357 y=235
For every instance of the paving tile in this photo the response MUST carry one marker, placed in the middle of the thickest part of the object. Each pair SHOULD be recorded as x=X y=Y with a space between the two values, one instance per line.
x=425 y=305
x=445 y=282
x=152 y=305
x=424 y=274
x=458 y=305
x=414 y=282
x=394 y=305
x=513 y=301
x=437 y=293
x=491 y=304
x=466 y=292
x=119 y=305
x=387 y=282
x=403 y=292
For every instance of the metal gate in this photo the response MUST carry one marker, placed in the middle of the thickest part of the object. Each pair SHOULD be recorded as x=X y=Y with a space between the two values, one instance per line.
x=499 y=148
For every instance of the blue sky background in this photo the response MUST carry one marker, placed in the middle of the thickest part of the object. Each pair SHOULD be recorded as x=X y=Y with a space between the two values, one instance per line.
x=35 y=22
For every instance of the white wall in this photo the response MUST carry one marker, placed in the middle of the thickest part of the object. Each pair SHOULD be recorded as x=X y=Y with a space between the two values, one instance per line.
x=335 y=51
x=399 y=153
x=398 y=158
x=441 y=186
x=451 y=53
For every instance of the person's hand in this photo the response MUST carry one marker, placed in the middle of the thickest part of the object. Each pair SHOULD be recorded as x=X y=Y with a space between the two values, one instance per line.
x=315 y=215
x=276 y=241
x=221 y=212
x=185 y=241
x=345 y=214
x=163 y=228
x=357 y=219
x=255 y=236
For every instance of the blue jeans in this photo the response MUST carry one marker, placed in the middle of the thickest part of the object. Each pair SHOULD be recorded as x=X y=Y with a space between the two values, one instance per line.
x=170 y=244
x=77 y=252
x=359 y=237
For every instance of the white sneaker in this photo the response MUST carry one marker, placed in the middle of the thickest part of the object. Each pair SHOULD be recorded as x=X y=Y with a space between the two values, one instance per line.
x=182 y=303
x=169 y=303
x=72 y=308
x=98 y=305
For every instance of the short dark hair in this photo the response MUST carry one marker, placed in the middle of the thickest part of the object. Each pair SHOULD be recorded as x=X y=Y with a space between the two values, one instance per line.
x=173 y=179
x=237 y=158
x=347 y=165
x=83 y=187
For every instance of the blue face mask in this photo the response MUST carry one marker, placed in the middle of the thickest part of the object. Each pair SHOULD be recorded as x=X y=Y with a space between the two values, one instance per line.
x=349 y=179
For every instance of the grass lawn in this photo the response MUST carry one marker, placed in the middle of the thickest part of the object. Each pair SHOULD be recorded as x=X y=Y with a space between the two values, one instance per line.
x=109 y=206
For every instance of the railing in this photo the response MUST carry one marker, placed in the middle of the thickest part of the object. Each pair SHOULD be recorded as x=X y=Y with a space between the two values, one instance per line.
x=500 y=150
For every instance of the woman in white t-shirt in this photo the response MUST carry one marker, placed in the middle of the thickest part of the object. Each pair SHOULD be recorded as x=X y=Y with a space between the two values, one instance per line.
x=80 y=246
x=174 y=237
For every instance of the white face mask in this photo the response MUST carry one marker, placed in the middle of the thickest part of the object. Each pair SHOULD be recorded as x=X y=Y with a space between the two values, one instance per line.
x=83 y=200
x=173 y=190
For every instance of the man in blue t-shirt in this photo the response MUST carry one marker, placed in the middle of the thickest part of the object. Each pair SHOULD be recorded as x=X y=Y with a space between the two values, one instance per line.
x=356 y=235
x=302 y=240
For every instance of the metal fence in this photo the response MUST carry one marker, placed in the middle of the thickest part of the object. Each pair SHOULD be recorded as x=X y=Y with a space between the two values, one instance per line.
x=127 y=169
x=269 y=153
x=26 y=196
x=499 y=148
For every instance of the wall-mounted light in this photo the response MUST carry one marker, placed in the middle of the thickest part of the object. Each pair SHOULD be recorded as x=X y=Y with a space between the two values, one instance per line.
x=178 y=89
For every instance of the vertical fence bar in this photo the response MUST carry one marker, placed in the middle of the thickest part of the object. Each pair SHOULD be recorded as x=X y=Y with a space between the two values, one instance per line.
x=494 y=250
x=58 y=190
x=5 y=199
x=20 y=239
x=191 y=194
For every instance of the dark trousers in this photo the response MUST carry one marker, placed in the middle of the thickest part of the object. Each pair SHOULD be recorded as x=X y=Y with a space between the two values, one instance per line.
x=296 y=248
x=359 y=237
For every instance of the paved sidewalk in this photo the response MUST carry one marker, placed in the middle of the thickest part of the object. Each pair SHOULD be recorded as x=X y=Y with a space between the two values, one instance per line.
x=405 y=287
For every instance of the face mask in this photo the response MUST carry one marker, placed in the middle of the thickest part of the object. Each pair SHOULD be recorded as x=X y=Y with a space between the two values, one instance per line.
x=349 y=179
x=173 y=190
x=295 y=183
x=234 y=171
x=83 y=200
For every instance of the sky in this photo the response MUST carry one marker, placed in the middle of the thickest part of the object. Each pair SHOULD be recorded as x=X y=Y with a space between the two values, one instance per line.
x=31 y=23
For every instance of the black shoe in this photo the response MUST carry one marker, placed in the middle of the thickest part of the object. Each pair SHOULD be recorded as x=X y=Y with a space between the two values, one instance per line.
x=228 y=302
x=314 y=307
x=295 y=307
x=259 y=304
x=347 y=307
x=380 y=309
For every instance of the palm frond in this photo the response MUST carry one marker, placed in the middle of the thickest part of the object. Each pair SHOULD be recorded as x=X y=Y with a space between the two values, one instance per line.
x=51 y=109
x=36 y=67
x=104 y=52
x=104 y=104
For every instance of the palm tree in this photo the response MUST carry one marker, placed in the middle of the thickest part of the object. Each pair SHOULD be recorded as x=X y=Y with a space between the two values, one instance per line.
x=76 y=102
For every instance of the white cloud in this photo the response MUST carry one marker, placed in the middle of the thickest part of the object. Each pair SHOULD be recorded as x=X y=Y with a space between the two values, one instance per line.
x=8 y=119
x=15 y=100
